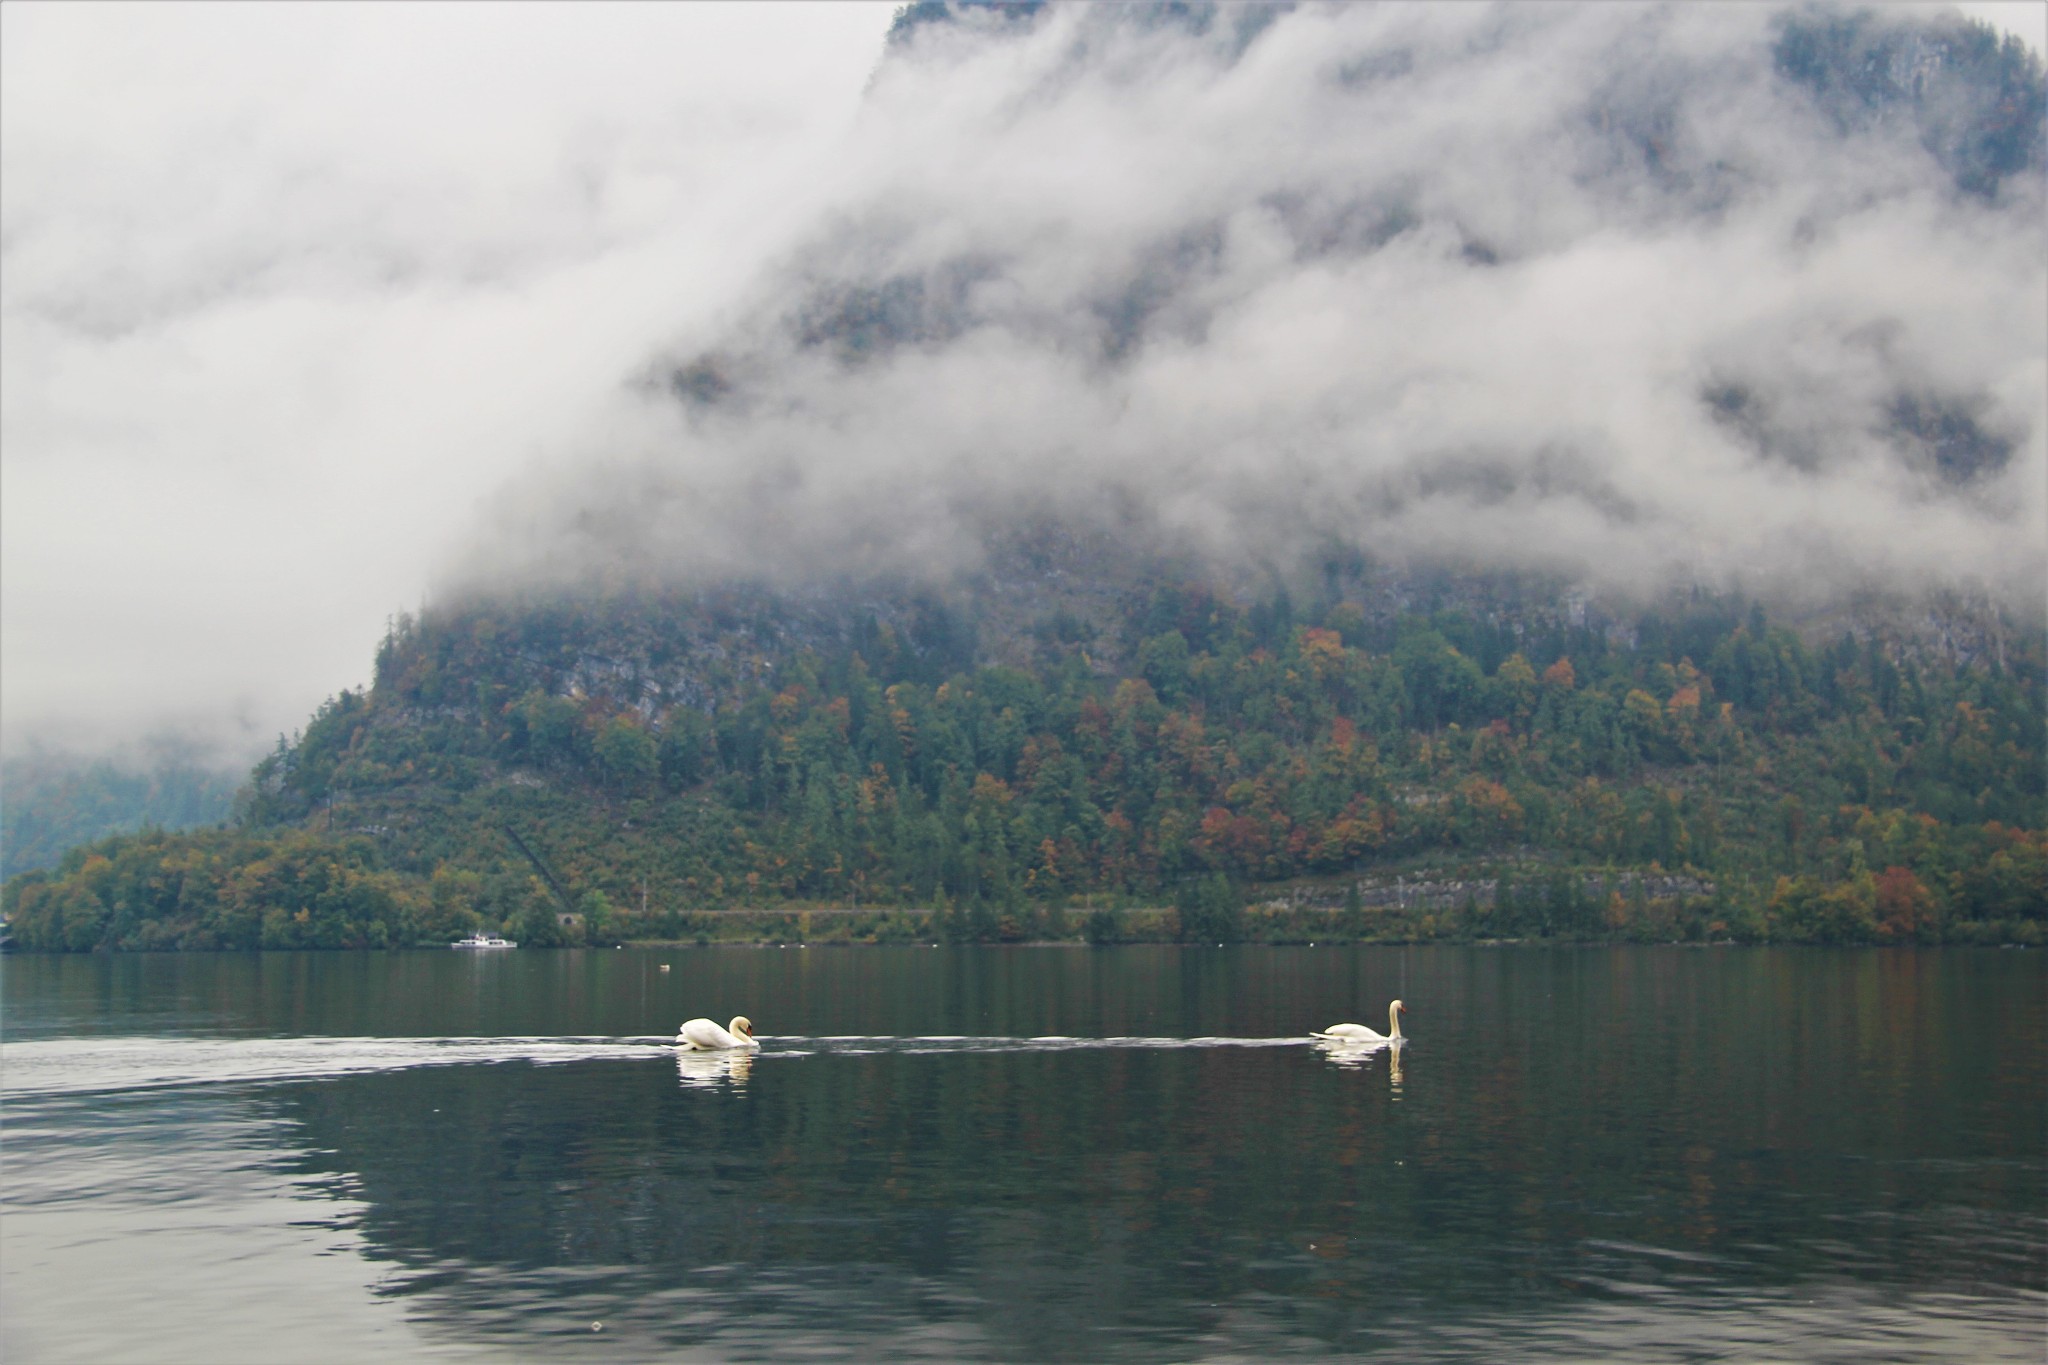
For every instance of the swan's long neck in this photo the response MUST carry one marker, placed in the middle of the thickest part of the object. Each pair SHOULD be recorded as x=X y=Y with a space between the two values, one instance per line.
x=1394 y=1020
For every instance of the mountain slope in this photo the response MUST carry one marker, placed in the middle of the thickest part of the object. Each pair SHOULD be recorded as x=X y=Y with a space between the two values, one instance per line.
x=667 y=755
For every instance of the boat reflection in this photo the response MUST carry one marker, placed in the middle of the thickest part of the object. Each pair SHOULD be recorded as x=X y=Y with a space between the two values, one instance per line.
x=708 y=1070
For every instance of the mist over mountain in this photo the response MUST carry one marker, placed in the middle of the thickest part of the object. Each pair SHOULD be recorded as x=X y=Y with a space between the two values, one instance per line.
x=309 y=311
x=53 y=802
x=1237 y=465
x=1631 y=296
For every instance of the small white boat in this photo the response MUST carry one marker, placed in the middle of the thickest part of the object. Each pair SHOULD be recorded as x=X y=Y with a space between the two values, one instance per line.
x=484 y=941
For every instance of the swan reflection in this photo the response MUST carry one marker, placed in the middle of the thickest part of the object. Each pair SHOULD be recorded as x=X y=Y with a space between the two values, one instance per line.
x=1355 y=1054
x=1350 y=1055
x=706 y=1070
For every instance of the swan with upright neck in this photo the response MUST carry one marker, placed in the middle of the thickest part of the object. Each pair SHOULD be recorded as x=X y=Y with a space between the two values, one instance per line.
x=702 y=1035
x=1359 y=1033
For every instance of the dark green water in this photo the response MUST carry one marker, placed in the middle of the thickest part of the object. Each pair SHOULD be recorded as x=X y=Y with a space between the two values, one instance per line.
x=1635 y=1154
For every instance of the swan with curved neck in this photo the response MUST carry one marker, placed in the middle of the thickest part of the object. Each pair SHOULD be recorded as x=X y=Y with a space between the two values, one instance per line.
x=1359 y=1033
x=701 y=1035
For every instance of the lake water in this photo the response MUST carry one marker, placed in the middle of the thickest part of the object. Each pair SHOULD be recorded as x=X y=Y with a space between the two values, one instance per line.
x=1125 y=1154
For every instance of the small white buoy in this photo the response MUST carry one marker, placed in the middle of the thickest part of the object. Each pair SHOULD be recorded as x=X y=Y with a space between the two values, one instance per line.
x=597 y=1327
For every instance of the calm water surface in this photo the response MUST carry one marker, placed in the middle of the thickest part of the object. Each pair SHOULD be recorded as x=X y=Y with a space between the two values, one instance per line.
x=1026 y=1154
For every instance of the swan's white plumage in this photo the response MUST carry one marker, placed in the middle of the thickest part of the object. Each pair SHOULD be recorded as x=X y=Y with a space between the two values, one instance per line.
x=706 y=1036
x=1359 y=1033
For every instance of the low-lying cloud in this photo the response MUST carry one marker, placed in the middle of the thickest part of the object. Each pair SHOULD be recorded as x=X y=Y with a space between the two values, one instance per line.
x=306 y=309
x=1605 y=291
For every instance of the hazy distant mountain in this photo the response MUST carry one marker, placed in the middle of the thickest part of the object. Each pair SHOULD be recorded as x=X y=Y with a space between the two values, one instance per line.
x=52 y=803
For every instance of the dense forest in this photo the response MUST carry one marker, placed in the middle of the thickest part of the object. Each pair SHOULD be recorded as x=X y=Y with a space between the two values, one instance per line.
x=1196 y=766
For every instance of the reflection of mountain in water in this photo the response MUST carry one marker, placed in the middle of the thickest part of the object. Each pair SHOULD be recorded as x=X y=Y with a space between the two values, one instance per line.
x=1146 y=1203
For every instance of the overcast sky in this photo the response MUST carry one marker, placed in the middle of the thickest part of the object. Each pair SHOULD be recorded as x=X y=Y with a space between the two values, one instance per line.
x=288 y=289
x=2027 y=18
x=306 y=311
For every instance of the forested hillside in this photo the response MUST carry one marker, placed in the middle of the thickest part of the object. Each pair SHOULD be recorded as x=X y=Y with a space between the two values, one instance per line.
x=1255 y=770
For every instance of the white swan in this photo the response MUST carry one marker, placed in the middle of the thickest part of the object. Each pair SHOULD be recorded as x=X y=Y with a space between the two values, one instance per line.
x=703 y=1035
x=1359 y=1033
